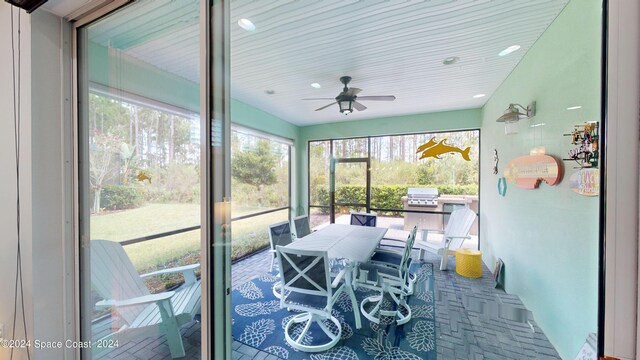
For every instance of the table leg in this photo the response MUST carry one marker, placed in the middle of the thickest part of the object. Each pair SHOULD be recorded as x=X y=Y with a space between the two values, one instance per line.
x=348 y=279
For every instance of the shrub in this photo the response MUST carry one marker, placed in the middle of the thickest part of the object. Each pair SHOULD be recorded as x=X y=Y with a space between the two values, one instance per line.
x=271 y=196
x=321 y=196
x=386 y=196
x=119 y=197
x=177 y=183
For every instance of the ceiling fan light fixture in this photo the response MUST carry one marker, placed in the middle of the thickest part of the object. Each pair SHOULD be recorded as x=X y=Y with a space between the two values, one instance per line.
x=346 y=106
x=348 y=98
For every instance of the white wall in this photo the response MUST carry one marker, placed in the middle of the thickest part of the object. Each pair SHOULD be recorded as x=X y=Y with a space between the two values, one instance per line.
x=8 y=180
x=51 y=186
x=44 y=185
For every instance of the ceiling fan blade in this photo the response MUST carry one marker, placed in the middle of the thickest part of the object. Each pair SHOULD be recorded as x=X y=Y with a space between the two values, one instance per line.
x=326 y=106
x=319 y=99
x=353 y=91
x=359 y=106
x=378 y=98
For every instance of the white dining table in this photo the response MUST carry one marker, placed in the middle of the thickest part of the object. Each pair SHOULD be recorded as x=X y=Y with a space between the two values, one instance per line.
x=353 y=243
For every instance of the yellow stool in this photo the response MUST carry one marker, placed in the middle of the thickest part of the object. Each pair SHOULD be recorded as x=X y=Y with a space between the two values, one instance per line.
x=469 y=263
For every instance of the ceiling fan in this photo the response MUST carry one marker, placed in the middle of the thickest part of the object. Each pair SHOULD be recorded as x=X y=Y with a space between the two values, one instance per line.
x=346 y=100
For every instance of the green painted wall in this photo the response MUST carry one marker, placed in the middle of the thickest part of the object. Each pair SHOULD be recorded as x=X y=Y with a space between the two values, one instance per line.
x=249 y=116
x=439 y=121
x=548 y=238
x=121 y=72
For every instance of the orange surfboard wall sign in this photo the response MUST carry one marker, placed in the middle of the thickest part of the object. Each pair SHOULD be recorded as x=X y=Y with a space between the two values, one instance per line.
x=528 y=171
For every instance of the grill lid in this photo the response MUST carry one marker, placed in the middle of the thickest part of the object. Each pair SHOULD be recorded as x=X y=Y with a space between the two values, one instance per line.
x=422 y=192
x=422 y=196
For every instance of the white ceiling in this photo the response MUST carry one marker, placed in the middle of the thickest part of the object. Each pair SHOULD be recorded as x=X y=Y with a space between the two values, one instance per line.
x=388 y=47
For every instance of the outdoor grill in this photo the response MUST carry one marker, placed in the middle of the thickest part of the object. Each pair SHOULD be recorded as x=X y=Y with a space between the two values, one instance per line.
x=422 y=197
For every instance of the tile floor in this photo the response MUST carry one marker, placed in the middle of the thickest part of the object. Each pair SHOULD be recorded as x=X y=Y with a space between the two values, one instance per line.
x=473 y=321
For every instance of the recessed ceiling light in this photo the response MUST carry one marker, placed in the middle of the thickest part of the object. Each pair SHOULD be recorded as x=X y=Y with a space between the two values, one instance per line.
x=270 y=92
x=316 y=85
x=451 y=60
x=246 y=24
x=478 y=96
x=574 y=107
x=509 y=50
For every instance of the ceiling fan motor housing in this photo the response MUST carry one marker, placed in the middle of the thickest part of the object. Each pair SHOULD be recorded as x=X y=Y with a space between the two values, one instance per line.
x=345 y=80
x=344 y=97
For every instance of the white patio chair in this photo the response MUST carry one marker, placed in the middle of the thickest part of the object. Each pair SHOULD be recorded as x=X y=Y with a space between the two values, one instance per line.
x=394 y=259
x=279 y=234
x=363 y=219
x=144 y=314
x=301 y=226
x=307 y=286
x=387 y=280
x=456 y=231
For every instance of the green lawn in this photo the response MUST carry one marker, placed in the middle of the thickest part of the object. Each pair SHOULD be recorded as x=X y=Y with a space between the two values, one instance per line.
x=247 y=235
x=146 y=220
x=252 y=233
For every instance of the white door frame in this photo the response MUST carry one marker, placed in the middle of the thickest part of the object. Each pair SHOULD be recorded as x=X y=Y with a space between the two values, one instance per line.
x=215 y=125
x=215 y=172
x=621 y=200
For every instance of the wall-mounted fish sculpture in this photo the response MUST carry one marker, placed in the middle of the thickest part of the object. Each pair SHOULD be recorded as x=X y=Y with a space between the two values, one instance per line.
x=431 y=149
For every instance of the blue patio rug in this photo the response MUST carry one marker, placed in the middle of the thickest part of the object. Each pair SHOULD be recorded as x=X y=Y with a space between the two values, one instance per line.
x=259 y=322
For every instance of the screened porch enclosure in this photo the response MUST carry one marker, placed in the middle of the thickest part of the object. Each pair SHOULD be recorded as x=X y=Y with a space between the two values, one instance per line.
x=375 y=174
x=409 y=170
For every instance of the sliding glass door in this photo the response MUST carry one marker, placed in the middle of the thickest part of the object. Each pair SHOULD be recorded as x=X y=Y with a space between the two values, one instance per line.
x=153 y=188
x=140 y=142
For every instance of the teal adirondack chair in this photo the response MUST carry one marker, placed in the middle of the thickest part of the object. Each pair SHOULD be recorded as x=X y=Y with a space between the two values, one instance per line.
x=144 y=314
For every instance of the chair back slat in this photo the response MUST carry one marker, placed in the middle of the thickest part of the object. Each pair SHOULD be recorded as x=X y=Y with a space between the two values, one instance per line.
x=304 y=271
x=408 y=247
x=114 y=277
x=459 y=226
x=363 y=219
x=301 y=226
x=280 y=234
